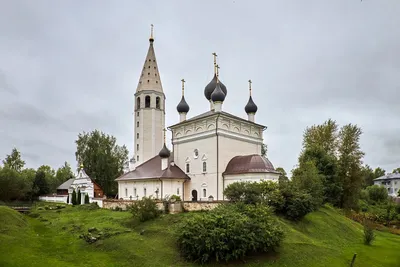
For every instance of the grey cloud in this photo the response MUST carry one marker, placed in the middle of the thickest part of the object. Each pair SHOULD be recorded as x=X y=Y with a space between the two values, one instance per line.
x=68 y=67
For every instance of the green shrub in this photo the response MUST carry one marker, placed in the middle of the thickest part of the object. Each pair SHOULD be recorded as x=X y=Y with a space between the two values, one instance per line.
x=145 y=209
x=73 y=200
x=369 y=234
x=228 y=232
x=175 y=198
x=86 y=199
x=377 y=193
x=79 y=198
x=246 y=192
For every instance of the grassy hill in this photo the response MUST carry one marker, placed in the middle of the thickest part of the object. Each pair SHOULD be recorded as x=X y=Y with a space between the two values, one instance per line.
x=323 y=238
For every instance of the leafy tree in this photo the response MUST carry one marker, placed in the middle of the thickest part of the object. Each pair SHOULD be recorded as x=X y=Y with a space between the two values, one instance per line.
x=368 y=176
x=28 y=178
x=379 y=172
x=246 y=192
x=324 y=136
x=64 y=173
x=102 y=157
x=283 y=175
x=377 y=193
x=264 y=149
x=350 y=160
x=40 y=186
x=308 y=179
x=79 y=197
x=14 y=161
x=397 y=170
x=10 y=184
x=50 y=176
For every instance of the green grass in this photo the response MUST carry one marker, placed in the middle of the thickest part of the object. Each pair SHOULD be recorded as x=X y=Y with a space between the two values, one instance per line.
x=323 y=238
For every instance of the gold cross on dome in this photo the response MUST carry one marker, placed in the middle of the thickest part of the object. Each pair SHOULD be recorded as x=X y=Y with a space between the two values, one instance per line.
x=183 y=85
x=250 y=82
x=165 y=130
x=215 y=62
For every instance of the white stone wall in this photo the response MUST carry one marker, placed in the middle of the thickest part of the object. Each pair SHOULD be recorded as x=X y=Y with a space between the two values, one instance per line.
x=250 y=177
x=235 y=137
x=165 y=188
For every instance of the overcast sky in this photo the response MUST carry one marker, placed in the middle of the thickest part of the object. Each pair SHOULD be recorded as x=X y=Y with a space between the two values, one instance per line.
x=73 y=66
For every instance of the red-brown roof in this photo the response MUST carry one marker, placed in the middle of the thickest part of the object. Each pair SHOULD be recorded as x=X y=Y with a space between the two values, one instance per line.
x=151 y=169
x=249 y=164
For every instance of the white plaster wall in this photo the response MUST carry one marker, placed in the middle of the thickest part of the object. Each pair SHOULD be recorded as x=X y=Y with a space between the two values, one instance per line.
x=250 y=177
x=166 y=188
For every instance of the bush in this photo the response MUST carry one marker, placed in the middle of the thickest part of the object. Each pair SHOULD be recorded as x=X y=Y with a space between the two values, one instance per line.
x=145 y=209
x=369 y=234
x=377 y=193
x=228 y=232
x=174 y=198
x=73 y=200
x=86 y=199
x=79 y=197
x=246 y=192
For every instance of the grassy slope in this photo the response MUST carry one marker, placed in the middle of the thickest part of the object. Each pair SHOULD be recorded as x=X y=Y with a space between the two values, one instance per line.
x=323 y=238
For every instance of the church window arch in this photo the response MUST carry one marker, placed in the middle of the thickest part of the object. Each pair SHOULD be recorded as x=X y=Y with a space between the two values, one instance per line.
x=204 y=166
x=126 y=192
x=148 y=81
x=177 y=191
x=147 y=101
x=137 y=158
x=158 y=102
x=148 y=73
x=155 y=74
x=144 y=191
x=137 y=147
x=196 y=153
x=156 y=81
x=138 y=102
x=137 y=136
x=149 y=67
x=134 y=192
x=137 y=124
x=204 y=192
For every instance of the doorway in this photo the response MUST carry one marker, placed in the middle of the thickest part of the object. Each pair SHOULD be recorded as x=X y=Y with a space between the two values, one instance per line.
x=194 y=195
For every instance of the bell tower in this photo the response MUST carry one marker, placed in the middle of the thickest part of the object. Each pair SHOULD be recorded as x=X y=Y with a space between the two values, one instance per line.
x=149 y=115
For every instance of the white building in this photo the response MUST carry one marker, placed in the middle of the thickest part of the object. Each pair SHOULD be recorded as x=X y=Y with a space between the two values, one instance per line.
x=209 y=151
x=85 y=185
x=391 y=182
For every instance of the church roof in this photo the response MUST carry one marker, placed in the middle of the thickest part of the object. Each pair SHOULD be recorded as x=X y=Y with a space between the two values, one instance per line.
x=150 y=76
x=66 y=184
x=249 y=164
x=151 y=169
x=212 y=112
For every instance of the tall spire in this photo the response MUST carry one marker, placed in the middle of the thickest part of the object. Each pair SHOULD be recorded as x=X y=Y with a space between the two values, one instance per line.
x=150 y=76
x=151 y=39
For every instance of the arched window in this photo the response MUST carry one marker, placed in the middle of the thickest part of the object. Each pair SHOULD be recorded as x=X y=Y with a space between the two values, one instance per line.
x=204 y=192
x=137 y=124
x=134 y=192
x=137 y=135
x=177 y=191
x=157 y=102
x=137 y=158
x=147 y=101
x=137 y=147
x=196 y=153
x=187 y=168
x=126 y=192
x=144 y=191
x=138 y=102
x=204 y=166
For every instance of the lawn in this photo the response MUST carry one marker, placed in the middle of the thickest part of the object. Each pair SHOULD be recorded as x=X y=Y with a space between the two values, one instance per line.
x=323 y=238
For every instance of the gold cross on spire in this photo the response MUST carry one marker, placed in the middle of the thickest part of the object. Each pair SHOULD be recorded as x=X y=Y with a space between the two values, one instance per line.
x=250 y=82
x=165 y=130
x=183 y=86
x=217 y=72
x=215 y=62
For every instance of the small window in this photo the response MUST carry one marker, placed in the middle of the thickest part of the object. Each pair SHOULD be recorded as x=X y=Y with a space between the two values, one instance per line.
x=148 y=73
x=134 y=192
x=138 y=113
x=126 y=192
x=177 y=191
x=157 y=102
x=137 y=158
x=156 y=81
x=196 y=153
x=154 y=67
x=144 y=191
x=155 y=74
x=149 y=67
x=137 y=124
x=138 y=103
x=137 y=147
x=149 y=60
x=148 y=81
x=140 y=82
x=147 y=102
x=187 y=168
x=142 y=74
x=204 y=192
x=204 y=166
x=137 y=136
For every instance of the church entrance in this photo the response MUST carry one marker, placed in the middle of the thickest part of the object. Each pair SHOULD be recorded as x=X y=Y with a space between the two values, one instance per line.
x=194 y=195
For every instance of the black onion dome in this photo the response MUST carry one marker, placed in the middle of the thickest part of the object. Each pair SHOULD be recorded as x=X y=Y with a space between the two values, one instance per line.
x=209 y=89
x=164 y=152
x=251 y=107
x=218 y=95
x=183 y=107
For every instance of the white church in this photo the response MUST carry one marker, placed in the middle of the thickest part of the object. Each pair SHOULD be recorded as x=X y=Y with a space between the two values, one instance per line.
x=209 y=151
